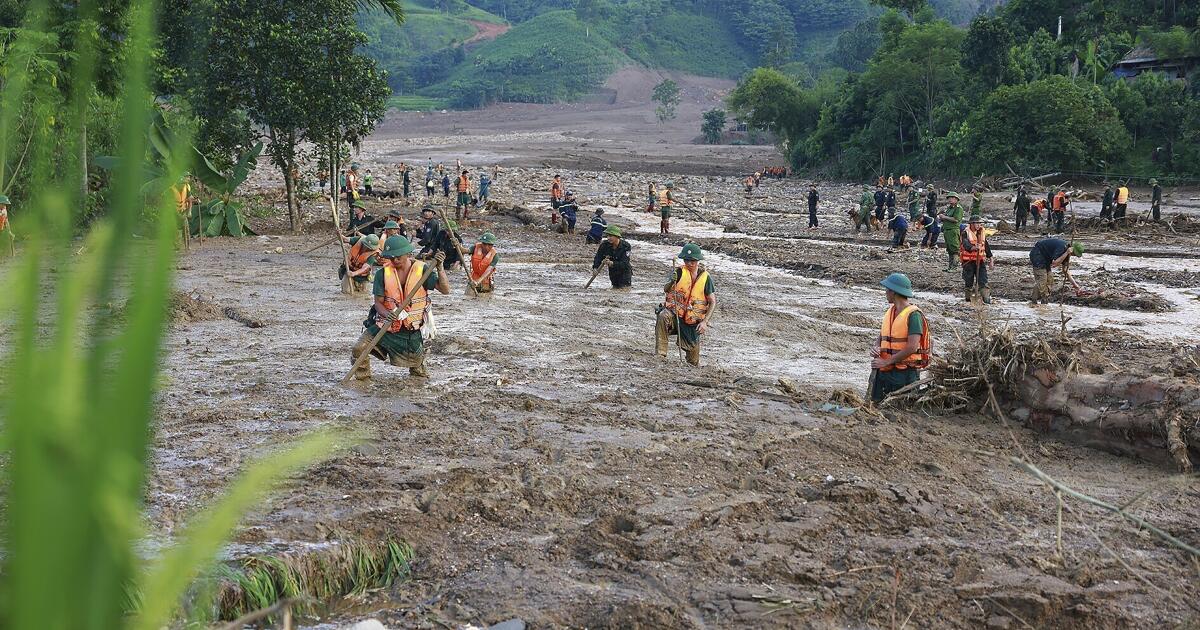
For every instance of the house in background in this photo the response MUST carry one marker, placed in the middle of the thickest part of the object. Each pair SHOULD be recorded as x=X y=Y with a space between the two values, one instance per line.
x=1144 y=59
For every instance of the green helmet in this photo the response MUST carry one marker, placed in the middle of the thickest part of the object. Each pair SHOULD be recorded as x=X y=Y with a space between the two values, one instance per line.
x=396 y=247
x=951 y=194
x=1153 y=182
x=371 y=241
x=391 y=225
x=612 y=230
x=1077 y=249
x=4 y=200
x=488 y=238
x=691 y=251
x=899 y=283
x=358 y=204
x=670 y=184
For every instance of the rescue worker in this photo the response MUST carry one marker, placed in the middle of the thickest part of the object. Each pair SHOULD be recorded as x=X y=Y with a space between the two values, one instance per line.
x=686 y=307
x=446 y=242
x=399 y=277
x=368 y=181
x=556 y=192
x=1122 y=203
x=428 y=231
x=1047 y=254
x=951 y=217
x=1058 y=211
x=899 y=227
x=362 y=257
x=596 y=230
x=615 y=250
x=462 y=203
x=976 y=201
x=390 y=229
x=352 y=185
x=976 y=256
x=484 y=259
x=880 y=200
x=890 y=200
x=1036 y=209
x=651 y=197
x=430 y=184
x=405 y=174
x=929 y=223
x=914 y=205
x=891 y=180
x=931 y=201
x=665 y=201
x=902 y=349
x=4 y=227
x=485 y=187
x=813 y=198
x=570 y=213
x=1021 y=208
x=360 y=221
x=1155 y=200
x=749 y=183
x=446 y=185
x=1106 y=204
x=864 y=210
x=401 y=228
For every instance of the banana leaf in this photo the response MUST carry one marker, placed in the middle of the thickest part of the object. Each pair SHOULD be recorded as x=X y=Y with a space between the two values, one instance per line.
x=233 y=221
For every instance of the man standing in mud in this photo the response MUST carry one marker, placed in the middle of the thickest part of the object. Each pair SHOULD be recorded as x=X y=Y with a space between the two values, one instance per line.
x=914 y=206
x=976 y=256
x=1047 y=254
x=931 y=201
x=951 y=217
x=880 y=199
x=596 y=230
x=813 y=197
x=1106 y=204
x=399 y=278
x=556 y=192
x=890 y=200
x=1021 y=208
x=615 y=251
x=687 y=306
x=1122 y=203
x=1058 y=210
x=902 y=349
x=404 y=177
x=462 y=203
x=864 y=210
x=665 y=202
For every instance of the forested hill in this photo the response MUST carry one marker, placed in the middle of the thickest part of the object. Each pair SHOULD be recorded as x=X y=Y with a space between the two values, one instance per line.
x=560 y=49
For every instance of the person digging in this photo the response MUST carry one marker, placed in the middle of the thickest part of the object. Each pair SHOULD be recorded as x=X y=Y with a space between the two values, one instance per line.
x=1045 y=255
x=483 y=263
x=399 y=277
x=976 y=257
x=902 y=349
x=951 y=217
x=686 y=307
x=614 y=252
x=362 y=258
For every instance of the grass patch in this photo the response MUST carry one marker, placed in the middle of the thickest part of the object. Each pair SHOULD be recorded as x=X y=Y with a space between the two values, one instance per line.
x=415 y=103
x=318 y=579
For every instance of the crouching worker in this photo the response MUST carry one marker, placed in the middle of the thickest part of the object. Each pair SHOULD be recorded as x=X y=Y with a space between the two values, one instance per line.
x=362 y=258
x=614 y=250
x=903 y=347
x=483 y=262
x=400 y=277
x=688 y=304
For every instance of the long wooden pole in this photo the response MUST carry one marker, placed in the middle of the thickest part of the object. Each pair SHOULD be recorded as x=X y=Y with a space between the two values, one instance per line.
x=462 y=253
x=366 y=355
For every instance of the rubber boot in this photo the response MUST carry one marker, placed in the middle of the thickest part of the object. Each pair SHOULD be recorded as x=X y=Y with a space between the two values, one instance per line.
x=987 y=295
x=949 y=262
x=419 y=371
x=364 y=371
x=969 y=295
x=661 y=335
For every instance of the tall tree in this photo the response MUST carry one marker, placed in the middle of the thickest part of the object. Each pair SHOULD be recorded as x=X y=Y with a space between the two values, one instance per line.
x=666 y=94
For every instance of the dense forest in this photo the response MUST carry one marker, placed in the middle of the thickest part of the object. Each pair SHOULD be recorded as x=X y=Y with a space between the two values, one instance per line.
x=1006 y=92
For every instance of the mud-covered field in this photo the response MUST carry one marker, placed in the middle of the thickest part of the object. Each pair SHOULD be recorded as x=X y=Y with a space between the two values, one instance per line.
x=553 y=469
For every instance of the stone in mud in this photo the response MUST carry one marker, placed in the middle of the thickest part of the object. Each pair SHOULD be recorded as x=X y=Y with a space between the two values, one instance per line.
x=368 y=624
x=511 y=624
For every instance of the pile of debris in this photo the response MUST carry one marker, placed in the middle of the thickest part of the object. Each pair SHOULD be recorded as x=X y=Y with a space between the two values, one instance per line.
x=1073 y=385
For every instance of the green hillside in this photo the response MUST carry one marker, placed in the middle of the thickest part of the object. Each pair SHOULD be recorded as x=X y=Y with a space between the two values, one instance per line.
x=562 y=49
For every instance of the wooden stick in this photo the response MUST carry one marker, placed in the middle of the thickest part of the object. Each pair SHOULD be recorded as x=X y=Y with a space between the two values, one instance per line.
x=462 y=253
x=1137 y=520
x=595 y=273
x=366 y=355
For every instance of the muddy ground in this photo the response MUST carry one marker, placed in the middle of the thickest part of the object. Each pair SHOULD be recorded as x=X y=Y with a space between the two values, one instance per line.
x=553 y=469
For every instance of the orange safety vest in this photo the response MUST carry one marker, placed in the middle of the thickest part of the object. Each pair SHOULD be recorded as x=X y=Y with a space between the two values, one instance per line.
x=480 y=263
x=978 y=241
x=464 y=184
x=3 y=219
x=556 y=190
x=1040 y=204
x=1060 y=201
x=664 y=198
x=893 y=338
x=1122 y=195
x=394 y=295
x=687 y=298
x=359 y=254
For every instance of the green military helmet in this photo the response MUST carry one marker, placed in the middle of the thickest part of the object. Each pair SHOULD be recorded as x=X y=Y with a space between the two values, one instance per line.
x=612 y=230
x=1153 y=182
x=670 y=184
x=488 y=238
x=691 y=251
x=371 y=241
x=391 y=225
x=4 y=200
x=396 y=247
x=898 y=283
x=951 y=195
x=358 y=204
x=1077 y=249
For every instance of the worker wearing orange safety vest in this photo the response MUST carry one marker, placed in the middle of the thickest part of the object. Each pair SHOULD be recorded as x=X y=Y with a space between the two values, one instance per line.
x=976 y=257
x=399 y=277
x=463 y=201
x=483 y=263
x=361 y=257
x=1058 y=210
x=687 y=306
x=1122 y=203
x=556 y=192
x=903 y=348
